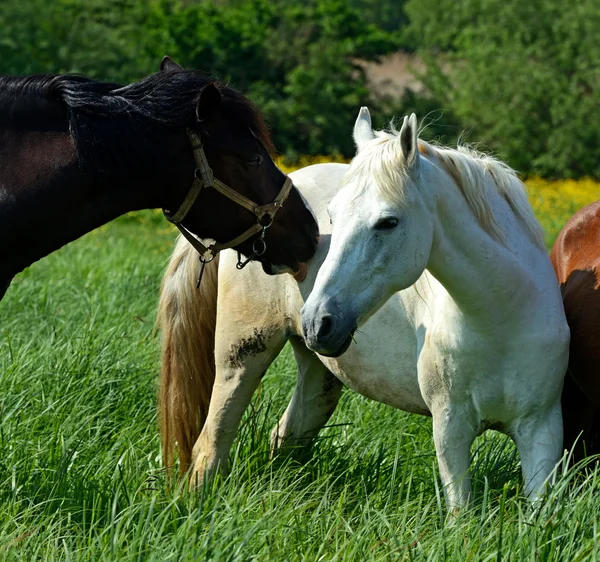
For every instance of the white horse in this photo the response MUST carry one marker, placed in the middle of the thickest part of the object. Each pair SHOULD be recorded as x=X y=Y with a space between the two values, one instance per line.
x=437 y=256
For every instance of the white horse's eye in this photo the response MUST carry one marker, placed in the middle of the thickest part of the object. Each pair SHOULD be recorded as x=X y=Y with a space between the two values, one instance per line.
x=386 y=224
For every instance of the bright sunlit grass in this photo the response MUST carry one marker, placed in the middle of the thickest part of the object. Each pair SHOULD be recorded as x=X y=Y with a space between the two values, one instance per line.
x=80 y=471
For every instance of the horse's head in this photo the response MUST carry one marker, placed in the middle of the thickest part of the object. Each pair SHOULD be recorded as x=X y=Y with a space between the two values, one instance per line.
x=237 y=148
x=381 y=238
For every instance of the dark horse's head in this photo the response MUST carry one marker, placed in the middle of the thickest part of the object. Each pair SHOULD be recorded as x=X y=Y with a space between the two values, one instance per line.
x=238 y=150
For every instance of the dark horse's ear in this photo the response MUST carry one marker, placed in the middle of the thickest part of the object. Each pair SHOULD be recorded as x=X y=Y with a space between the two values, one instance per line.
x=169 y=64
x=208 y=102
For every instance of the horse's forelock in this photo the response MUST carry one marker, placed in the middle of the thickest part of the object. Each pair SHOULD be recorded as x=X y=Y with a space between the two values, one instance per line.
x=380 y=163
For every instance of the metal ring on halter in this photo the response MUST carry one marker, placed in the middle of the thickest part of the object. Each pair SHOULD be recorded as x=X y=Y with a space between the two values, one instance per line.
x=205 y=261
x=256 y=252
x=262 y=250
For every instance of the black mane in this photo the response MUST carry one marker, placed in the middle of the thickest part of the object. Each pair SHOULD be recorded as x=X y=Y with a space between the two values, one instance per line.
x=119 y=128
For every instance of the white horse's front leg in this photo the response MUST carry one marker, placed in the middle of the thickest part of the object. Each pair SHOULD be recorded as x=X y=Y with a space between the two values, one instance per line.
x=239 y=369
x=315 y=398
x=539 y=441
x=453 y=435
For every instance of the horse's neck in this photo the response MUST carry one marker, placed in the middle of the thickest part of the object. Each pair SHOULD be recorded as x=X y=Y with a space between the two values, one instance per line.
x=46 y=201
x=481 y=274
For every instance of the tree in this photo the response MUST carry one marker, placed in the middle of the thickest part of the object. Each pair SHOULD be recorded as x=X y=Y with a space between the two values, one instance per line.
x=296 y=59
x=95 y=37
x=522 y=76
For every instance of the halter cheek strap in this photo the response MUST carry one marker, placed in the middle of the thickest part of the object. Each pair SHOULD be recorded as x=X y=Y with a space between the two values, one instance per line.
x=203 y=179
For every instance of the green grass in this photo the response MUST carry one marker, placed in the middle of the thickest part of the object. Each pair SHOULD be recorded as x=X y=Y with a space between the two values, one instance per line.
x=80 y=470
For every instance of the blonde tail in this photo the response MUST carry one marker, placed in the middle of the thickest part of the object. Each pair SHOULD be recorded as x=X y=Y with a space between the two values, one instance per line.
x=187 y=317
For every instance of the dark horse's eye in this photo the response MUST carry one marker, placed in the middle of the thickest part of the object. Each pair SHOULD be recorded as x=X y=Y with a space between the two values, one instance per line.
x=386 y=224
x=256 y=161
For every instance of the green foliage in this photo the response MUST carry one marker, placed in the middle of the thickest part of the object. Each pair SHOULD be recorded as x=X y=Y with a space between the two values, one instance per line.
x=95 y=37
x=521 y=76
x=437 y=123
x=386 y=14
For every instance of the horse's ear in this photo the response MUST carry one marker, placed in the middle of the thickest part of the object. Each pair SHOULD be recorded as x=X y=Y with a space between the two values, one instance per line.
x=409 y=143
x=168 y=64
x=363 y=131
x=208 y=103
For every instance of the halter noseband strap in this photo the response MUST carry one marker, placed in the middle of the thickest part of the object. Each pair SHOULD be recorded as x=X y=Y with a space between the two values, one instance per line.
x=204 y=178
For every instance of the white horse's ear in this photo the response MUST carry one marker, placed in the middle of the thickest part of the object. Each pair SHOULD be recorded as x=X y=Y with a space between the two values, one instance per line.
x=363 y=132
x=409 y=144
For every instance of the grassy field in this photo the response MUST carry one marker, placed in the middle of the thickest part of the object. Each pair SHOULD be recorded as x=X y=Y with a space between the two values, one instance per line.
x=80 y=470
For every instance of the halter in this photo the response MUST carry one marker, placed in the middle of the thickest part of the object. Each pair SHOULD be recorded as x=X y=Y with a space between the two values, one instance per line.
x=203 y=177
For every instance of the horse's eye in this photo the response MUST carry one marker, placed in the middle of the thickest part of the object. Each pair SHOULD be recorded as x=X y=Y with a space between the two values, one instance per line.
x=256 y=161
x=386 y=224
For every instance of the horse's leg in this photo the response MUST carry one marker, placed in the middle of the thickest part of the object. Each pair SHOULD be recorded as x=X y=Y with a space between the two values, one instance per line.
x=578 y=420
x=539 y=441
x=4 y=285
x=315 y=399
x=239 y=369
x=454 y=431
x=595 y=435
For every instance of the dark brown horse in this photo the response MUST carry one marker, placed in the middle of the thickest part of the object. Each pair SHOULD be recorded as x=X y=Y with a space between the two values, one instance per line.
x=576 y=260
x=76 y=153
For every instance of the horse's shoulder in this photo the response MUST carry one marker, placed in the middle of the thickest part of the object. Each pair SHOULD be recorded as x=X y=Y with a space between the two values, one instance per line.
x=581 y=298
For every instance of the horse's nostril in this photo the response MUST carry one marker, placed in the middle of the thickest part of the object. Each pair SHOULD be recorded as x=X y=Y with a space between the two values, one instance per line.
x=326 y=326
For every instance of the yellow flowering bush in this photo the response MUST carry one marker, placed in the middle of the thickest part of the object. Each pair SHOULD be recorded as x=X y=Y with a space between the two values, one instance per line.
x=555 y=202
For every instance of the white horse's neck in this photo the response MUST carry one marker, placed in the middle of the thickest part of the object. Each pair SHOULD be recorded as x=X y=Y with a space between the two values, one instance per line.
x=477 y=270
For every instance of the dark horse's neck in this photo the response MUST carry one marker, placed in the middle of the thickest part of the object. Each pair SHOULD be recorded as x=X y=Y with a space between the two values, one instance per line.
x=64 y=171
x=47 y=200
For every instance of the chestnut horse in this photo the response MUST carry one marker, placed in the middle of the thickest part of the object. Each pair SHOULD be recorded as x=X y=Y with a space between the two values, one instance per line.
x=76 y=153
x=576 y=260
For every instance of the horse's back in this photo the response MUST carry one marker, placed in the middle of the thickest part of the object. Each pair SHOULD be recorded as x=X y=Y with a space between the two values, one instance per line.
x=318 y=184
x=577 y=246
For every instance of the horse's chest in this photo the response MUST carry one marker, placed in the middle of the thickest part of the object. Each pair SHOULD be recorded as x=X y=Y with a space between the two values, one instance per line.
x=382 y=370
x=472 y=373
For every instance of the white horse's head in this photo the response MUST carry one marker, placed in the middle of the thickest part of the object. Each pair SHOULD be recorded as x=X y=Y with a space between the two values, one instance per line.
x=381 y=236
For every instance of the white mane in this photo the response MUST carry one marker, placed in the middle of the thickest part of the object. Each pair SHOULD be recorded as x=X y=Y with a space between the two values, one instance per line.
x=381 y=160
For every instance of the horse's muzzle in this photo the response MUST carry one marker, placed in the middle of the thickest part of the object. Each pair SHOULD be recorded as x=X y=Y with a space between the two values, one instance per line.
x=326 y=331
x=292 y=258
